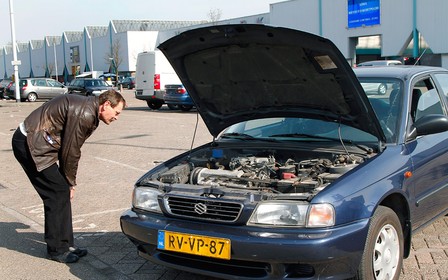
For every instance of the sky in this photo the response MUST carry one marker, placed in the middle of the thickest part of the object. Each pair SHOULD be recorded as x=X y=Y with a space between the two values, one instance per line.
x=35 y=19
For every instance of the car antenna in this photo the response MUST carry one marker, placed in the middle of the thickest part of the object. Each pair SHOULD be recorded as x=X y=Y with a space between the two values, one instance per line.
x=418 y=59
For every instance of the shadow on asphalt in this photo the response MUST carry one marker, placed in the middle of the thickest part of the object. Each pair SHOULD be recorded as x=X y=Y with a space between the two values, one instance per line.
x=111 y=254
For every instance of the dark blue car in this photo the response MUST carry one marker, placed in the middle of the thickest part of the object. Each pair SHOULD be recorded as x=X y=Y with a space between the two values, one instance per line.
x=177 y=97
x=307 y=175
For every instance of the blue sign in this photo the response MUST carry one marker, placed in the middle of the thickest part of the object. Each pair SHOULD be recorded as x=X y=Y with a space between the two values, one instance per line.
x=363 y=13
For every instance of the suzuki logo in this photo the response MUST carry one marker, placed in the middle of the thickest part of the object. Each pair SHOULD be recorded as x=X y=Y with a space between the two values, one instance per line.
x=200 y=208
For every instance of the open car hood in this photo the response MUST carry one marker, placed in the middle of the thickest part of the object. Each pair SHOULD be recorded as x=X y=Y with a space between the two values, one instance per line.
x=242 y=72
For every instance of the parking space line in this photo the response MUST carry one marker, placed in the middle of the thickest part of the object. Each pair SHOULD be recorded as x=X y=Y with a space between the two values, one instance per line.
x=121 y=164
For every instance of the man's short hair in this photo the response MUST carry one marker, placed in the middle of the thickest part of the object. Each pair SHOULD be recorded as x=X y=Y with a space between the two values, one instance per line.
x=113 y=96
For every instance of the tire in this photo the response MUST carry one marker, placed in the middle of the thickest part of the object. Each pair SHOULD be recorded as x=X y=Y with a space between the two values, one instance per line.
x=382 y=89
x=383 y=253
x=186 y=108
x=129 y=87
x=154 y=105
x=173 y=107
x=32 y=97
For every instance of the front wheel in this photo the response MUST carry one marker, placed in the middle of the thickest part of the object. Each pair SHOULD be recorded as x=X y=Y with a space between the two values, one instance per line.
x=383 y=252
x=154 y=105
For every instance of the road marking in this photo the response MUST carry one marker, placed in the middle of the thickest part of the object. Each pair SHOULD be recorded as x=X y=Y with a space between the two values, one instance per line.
x=121 y=164
x=100 y=213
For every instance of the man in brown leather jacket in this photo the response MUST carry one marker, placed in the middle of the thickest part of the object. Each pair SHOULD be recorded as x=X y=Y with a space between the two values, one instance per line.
x=54 y=133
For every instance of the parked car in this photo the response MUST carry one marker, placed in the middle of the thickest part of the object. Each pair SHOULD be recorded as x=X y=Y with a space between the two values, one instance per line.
x=307 y=176
x=32 y=89
x=177 y=97
x=88 y=86
x=128 y=82
x=111 y=78
x=379 y=63
x=3 y=85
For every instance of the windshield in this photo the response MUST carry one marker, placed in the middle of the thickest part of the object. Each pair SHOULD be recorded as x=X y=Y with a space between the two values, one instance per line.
x=385 y=96
x=296 y=129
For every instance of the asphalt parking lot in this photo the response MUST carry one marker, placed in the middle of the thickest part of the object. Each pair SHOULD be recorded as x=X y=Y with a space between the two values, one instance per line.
x=112 y=160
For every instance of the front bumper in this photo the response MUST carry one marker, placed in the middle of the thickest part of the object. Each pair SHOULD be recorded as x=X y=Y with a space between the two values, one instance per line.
x=257 y=253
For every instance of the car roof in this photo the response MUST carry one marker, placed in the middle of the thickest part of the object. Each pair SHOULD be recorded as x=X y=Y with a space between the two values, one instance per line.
x=399 y=71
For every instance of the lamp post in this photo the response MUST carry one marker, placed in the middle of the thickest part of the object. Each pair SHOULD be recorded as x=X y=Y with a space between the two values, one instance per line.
x=91 y=54
x=15 y=62
x=55 y=59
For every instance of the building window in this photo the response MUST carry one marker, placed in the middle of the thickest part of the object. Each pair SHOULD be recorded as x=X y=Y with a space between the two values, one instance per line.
x=74 y=54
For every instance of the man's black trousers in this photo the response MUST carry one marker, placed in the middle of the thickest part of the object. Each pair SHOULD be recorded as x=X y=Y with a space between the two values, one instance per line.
x=54 y=191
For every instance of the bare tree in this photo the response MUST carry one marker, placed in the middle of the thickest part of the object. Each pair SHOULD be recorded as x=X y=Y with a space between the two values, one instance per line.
x=214 y=15
x=113 y=58
x=51 y=68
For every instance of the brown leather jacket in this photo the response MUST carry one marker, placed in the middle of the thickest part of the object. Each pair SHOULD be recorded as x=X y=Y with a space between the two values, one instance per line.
x=57 y=130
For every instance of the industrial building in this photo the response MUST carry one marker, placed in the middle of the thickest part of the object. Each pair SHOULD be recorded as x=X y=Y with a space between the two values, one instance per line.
x=412 y=31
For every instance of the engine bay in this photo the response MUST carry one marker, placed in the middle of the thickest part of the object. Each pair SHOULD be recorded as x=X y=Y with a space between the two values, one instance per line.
x=267 y=171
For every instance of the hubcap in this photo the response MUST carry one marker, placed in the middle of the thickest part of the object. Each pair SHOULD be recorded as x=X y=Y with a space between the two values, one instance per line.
x=386 y=253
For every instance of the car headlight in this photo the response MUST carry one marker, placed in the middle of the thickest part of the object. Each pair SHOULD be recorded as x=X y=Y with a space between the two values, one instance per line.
x=292 y=214
x=146 y=199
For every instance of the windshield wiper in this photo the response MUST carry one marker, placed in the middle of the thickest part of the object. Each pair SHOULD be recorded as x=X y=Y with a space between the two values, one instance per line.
x=244 y=136
x=303 y=135
x=237 y=135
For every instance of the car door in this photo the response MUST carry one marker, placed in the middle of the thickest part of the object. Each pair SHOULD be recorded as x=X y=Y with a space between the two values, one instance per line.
x=429 y=154
x=41 y=88
x=56 y=88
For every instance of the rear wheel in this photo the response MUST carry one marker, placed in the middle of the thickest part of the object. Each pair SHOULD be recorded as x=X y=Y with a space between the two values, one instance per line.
x=154 y=105
x=173 y=107
x=383 y=252
x=186 y=108
x=32 y=97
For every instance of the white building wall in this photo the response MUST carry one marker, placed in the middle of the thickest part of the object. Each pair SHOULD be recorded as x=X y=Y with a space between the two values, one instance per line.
x=297 y=14
x=432 y=22
x=38 y=61
x=327 y=18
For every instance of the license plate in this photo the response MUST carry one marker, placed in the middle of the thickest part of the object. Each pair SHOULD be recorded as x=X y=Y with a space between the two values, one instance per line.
x=194 y=244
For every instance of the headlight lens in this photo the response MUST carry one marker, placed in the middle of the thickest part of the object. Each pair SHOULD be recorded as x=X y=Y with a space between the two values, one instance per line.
x=294 y=214
x=146 y=199
x=279 y=213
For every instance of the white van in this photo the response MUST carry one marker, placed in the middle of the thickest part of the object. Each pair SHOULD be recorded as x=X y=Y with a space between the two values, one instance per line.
x=153 y=72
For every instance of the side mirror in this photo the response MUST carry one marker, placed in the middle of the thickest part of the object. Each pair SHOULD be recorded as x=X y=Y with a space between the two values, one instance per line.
x=429 y=124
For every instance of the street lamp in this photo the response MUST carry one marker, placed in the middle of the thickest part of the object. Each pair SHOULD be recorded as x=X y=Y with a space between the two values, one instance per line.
x=55 y=58
x=15 y=62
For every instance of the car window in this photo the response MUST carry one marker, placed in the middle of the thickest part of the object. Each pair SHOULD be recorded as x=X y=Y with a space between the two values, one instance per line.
x=386 y=98
x=296 y=129
x=425 y=100
x=443 y=81
x=54 y=83
x=41 y=83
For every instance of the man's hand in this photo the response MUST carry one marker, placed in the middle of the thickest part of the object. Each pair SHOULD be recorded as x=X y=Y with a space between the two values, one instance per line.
x=72 y=192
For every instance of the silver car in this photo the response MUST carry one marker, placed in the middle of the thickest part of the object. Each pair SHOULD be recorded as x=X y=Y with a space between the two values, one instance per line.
x=32 y=89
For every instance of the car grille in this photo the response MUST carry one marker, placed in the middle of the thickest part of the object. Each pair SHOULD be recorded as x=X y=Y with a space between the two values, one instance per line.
x=212 y=210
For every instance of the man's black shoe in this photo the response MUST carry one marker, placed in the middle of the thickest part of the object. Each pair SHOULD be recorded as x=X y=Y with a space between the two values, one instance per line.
x=78 y=251
x=67 y=257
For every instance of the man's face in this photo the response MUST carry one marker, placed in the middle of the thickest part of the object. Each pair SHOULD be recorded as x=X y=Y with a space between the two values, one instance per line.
x=109 y=114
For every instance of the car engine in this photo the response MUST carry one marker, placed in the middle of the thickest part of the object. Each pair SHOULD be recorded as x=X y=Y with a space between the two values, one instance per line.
x=261 y=171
